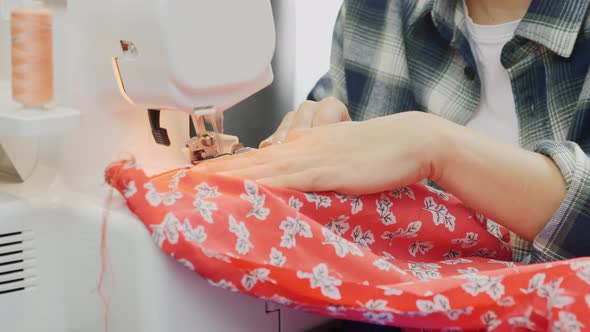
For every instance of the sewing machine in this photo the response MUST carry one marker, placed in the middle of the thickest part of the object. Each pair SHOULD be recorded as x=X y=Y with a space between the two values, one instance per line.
x=132 y=68
x=180 y=56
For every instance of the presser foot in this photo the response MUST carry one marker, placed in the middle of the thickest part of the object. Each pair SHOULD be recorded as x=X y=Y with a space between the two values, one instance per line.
x=208 y=141
x=210 y=146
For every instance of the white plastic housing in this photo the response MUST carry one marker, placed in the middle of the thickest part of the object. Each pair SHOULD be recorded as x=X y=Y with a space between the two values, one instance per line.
x=62 y=202
x=190 y=54
x=50 y=251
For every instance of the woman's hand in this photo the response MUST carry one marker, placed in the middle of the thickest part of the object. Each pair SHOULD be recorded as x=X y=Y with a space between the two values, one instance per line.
x=309 y=115
x=348 y=157
x=518 y=188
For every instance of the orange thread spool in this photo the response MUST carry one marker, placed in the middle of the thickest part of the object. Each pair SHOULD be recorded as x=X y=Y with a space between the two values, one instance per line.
x=32 y=56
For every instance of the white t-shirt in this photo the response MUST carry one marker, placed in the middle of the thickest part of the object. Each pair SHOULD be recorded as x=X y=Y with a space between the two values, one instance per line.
x=496 y=113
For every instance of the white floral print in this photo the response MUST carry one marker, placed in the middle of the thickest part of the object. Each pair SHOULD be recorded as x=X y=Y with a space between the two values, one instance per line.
x=469 y=241
x=294 y=203
x=342 y=246
x=582 y=269
x=477 y=284
x=362 y=239
x=398 y=193
x=457 y=261
x=425 y=271
x=166 y=231
x=420 y=247
x=319 y=200
x=440 y=303
x=356 y=202
x=257 y=200
x=339 y=225
x=410 y=232
x=490 y=320
x=249 y=280
x=228 y=285
x=277 y=258
x=243 y=244
x=196 y=235
x=319 y=277
x=452 y=254
x=215 y=255
x=378 y=312
x=551 y=290
x=388 y=291
x=292 y=227
x=280 y=299
x=384 y=263
x=441 y=194
x=440 y=214
x=155 y=198
x=130 y=189
x=202 y=203
x=567 y=322
x=523 y=321
x=384 y=206
x=187 y=264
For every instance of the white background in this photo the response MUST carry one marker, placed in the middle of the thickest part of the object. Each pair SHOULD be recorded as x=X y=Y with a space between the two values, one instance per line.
x=315 y=24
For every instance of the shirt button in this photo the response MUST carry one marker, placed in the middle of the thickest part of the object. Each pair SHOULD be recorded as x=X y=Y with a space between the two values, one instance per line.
x=469 y=73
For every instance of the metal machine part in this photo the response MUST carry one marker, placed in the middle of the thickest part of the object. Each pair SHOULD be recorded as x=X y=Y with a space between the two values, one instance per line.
x=207 y=140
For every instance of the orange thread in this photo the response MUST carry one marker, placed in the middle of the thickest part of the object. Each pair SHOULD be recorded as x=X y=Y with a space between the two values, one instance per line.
x=103 y=257
x=32 y=56
x=103 y=246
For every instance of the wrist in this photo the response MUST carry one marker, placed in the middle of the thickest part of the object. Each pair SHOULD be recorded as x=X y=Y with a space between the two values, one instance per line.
x=443 y=147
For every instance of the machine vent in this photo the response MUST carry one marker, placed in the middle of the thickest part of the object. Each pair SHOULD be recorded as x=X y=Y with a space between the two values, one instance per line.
x=17 y=262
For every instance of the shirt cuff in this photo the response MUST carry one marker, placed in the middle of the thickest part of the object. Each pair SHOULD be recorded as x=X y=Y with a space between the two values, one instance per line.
x=566 y=234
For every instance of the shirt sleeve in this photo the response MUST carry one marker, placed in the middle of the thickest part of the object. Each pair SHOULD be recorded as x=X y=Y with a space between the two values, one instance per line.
x=566 y=234
x=333 y=84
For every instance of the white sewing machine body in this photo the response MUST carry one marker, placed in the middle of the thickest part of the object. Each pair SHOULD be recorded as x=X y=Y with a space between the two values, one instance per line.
x=50 y=225
x=187 y=54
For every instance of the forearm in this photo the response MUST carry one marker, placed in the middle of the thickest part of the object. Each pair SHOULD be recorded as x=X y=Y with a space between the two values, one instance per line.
x=520 y=189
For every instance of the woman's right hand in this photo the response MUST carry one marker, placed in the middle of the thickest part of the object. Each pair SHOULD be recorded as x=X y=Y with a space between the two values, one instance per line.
x=309 y=115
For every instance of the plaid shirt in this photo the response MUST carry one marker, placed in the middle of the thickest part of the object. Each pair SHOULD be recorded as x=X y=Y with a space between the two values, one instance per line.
x=391 y=56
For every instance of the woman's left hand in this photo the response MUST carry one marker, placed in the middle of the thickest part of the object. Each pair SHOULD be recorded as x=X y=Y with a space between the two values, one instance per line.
x=348 y=157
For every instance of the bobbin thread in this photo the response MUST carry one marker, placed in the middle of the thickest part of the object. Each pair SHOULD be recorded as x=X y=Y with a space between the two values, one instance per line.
x=32 y=56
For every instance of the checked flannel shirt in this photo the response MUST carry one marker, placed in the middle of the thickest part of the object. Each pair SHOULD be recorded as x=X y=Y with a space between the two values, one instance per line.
x=391 y=56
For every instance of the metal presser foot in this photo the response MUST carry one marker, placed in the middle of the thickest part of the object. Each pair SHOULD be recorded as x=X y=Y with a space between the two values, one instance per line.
x=208 y=140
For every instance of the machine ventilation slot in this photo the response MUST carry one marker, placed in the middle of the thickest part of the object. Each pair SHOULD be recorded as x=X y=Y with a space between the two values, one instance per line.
x=12 y=262
x=11 y=272
x=10 y=243
x=11 y=253
x=11 y=234
x=17 y=262
x=12 y=290
x=12 y=281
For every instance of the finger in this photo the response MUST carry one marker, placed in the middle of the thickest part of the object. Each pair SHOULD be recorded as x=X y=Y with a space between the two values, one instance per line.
x=310 y=180
x=331 y=111
x=304 y=116
x=277 y=168
x=279 y=135
x=244 y=160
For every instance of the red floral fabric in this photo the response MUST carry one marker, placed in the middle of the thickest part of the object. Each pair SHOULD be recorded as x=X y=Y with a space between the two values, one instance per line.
x=411 y=257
